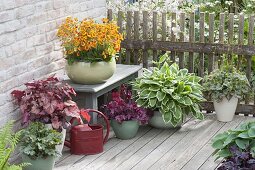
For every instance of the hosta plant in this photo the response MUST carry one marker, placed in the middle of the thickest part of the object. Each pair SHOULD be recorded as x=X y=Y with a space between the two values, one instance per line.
x=8 y=143
x=38 y=141
x=172 y=91
x=48 y=101
x=123 y=108
x=236 y=147
x=226 y=82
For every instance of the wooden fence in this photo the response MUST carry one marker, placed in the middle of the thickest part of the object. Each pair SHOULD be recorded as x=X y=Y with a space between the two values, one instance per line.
x=205 y=50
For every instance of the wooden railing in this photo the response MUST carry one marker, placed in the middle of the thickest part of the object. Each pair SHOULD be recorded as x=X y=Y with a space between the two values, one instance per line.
x=200 y=53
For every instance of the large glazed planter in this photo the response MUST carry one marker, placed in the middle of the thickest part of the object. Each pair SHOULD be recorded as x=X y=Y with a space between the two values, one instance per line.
x=126 y=129
x=91 y=73
x=39 y=163
x=157 y=121
x=225 y=110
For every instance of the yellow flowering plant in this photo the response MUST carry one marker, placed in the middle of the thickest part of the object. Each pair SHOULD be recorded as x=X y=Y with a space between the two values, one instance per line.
x=89 y=41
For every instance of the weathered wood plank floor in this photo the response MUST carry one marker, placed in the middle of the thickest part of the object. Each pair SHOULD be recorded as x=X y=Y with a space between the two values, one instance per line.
x=188 y=148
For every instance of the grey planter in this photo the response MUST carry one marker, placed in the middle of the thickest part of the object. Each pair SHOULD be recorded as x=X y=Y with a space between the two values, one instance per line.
x=39 y=163
x=157 y=122
x=126 y=129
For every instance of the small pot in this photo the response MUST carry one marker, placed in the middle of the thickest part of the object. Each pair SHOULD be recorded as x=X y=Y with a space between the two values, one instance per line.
x=39 y=163
x=126 y=129
x=157 y=121
x=225 y=109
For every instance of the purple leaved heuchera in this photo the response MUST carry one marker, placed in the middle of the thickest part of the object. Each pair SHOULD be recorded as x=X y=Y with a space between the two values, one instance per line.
x=123 y=108
x=48 y=101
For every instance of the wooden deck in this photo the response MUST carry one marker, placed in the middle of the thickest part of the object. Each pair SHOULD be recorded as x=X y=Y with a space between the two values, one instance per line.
x=188 y=148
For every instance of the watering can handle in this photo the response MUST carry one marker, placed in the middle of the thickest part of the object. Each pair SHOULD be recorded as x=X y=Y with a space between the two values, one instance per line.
x=106 y=121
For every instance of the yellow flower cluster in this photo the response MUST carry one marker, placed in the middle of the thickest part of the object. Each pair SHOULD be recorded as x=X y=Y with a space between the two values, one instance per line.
x=79 y=37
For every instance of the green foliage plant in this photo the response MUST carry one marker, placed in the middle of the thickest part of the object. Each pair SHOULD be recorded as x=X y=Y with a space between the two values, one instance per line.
x=243 y=137
x=8 y=143
x=39 y=141
x=226 y=82
x=173 y=91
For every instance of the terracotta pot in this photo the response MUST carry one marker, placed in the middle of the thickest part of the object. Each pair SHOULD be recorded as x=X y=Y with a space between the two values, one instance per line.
x=91 y=73
x=225 y=110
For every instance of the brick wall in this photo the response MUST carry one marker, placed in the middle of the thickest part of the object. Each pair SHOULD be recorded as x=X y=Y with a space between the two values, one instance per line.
x=29 y=48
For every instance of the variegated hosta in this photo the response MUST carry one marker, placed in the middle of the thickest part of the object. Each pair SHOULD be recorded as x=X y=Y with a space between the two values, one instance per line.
x=172 y=91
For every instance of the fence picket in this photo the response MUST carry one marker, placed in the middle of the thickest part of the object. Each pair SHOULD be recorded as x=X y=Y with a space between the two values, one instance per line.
x=155 y=34
x=201 y=40
x=191 y=40
x=240 y=37
x=136 y=35
x=129 y=35
x=211 y=40
x=119 y=23
x=230 y=32
x=173 y=37
x=145 y=37
x=182 y=29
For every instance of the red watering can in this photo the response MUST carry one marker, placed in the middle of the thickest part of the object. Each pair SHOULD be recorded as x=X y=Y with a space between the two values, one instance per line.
x=88 y=139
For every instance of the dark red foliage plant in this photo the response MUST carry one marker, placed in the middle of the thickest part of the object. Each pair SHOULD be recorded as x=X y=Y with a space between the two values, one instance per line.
x=123 y=108
x=48 y=100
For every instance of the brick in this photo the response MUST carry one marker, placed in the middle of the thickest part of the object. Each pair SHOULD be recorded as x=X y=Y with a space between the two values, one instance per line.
x=50 y=36
x=16 y=70
x=24 y=78
x=9 y=4
x=25 y=11
x=99 y=3
x=3 y=77
x=14 y=25
x=26 y=32
x=43 y=6
x=7 y=16
x=39 y=62
x=25 y=56
x=58 y=4
x=2 y=52
x=36 y=40
x=57 y=13
x=8 y=85
x=87 y=5
x=44 y=49
x=36 y=19
x=7 y=39
x=18 y=47
x=56 y=55
x=46 y=27
x=21 y=2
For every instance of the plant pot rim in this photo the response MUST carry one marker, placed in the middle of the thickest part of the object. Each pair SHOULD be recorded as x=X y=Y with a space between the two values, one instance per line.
x=125 y=120
x=87 y=62
x=49 y=156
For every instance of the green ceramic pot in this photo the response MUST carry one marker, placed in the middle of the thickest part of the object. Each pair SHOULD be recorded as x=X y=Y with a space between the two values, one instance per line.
x=126 y=129
x=91 y=73
x=39 y=163
x=157 y=121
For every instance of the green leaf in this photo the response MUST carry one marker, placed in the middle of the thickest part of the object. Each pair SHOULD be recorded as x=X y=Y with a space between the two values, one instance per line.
x=174 y=68
x=224 y=153
x=152 y=102
x=152 y=94
x=187 y=101
x=177 y=111
x=161 y=95
x=183 y=72
x=163 y=58
x=242 y=143
x=180 y=87
x=230 y=139
x=251 y=132
x=218 y=144
x=167 y=117
x=244 y=135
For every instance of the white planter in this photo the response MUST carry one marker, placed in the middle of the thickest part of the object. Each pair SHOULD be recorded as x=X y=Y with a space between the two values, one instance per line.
x=157 y=121
x=225 y=110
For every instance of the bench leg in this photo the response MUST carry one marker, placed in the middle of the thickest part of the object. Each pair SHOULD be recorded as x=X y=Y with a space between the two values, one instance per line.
x=91 y=103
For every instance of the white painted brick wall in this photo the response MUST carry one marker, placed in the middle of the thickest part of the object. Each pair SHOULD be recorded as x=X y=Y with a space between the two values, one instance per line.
x=29 y=48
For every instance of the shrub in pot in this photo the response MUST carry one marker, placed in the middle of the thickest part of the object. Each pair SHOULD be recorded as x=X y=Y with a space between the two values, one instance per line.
x=225 y=86
x=236 y=147
x=8 y=143
x=38 y=146
x=124 y=113
x=173 y=92
x=48 y=101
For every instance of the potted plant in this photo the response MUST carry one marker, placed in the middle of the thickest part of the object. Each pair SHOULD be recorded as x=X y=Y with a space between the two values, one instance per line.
x=8 y=143
x=48 y=101
x=90 y=49
x=38 y=146
x=225 y=86
x=124 y=113
x=172 y=93
x=236 y=147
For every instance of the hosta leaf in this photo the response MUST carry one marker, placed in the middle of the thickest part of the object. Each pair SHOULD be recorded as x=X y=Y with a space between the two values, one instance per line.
x=224 y=153
x=169 y=91
x=251 y=132
x=187 y=101
x=180 y=87
x=230 y=139
x=152 y=102
x=242 y=143
x=152 y=94
x=244 y=135
x=167 y=117
x=174 y=68
x=164 y=68
x=177 y=112
x=218 y=144
x=161 y=95
x=163 y=58
x=183 y=72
